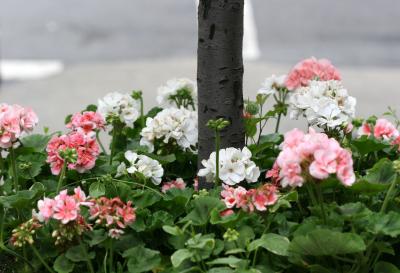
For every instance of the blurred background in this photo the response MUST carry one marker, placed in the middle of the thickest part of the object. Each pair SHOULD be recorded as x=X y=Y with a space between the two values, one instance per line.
x=58 y=56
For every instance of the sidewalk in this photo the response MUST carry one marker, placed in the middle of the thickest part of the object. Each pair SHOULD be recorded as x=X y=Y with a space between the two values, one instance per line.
x=54 y=98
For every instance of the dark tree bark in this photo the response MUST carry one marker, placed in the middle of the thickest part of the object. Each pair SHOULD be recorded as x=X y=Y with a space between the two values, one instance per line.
x=220 y=73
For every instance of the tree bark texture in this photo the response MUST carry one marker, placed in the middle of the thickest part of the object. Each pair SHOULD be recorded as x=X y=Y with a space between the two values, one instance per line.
x=220 y=73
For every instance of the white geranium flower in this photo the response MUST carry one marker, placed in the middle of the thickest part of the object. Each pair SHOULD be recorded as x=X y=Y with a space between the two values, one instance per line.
x=271 y=84
x=171 y=124
x=121 y=106
x=145 y=165
x=168 y=91
x=323 y=103
x=235 y=166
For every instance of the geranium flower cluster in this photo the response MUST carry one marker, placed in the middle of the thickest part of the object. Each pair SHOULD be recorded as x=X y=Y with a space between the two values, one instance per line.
x=174 y=184
x=177 y=93
x=121 y=107
x=113 y=214
x=148 y=167
x=272 y=85
x=23 y=234
x=250 y=200
x=63 y=208
x=323 y=103
x=383 y=129
x=313 y=155
x=235 y=166
x=15 y=120
x=81 y=147
x=311 y=69
x=86 y=122
x=176 y=125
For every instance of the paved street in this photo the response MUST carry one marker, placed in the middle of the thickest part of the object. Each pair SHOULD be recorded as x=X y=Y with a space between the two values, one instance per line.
x=351 y=32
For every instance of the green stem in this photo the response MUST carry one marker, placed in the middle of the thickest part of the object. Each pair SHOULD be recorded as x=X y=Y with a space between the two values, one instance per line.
x=88 y=262
x=142 y=120
x=111 y=257
x=217 y=145
x=61 y=178
x=321 y=201
x=14 y=169
x=388 y=195
x=113 y=142
x=36 y=252
x=100 y=143
x=278 y=121
x=311 y=194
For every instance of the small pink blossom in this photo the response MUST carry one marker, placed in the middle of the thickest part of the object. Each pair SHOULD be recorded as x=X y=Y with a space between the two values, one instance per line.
x=14 y=122
x=249 y=200
x=46 y=208
x=313 y=154
x=114 y=214
x=87 y=122
x=178 y=184
x=85 y=146
x=383 y=129
x=226 y=213
x=310 y=69
x=66 y=209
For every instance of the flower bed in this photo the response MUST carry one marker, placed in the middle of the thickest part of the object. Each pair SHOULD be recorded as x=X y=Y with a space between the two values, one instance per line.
x=317 y=200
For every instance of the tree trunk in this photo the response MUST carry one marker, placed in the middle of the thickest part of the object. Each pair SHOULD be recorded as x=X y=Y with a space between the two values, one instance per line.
x=220 y=73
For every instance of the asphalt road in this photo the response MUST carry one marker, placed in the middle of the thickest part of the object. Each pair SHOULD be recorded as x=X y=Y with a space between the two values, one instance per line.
x=349 y=32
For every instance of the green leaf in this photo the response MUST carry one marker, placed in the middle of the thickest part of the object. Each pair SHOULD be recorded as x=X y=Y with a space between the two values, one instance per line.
x=36 y=141
x=79 y=254
x=63 y=265
x=324 y=242
x=365 y=145
x=316 y=268
x=30 y=165
x=272 y=242
x=141 y=259
x=221 y=270
x=144 y=199
x=97 y=236
x=385 y=267
x=231 y=261
x=97 y=189
x=382 y=172
x=19 y=200
x=384 y=224
x=176 y=231
x=180 y=256
x=202 y=208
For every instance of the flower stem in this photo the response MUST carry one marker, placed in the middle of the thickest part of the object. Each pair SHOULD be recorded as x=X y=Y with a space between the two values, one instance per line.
x=142 y=120
x=113 y=142
x=14 y=169
x=217 y=145
x=61 y=178
x=36 y=252
x=88 y=262
x=111 y=257
x=388 y=195
x=278 y=121
x=321 y=202
x=99 y=141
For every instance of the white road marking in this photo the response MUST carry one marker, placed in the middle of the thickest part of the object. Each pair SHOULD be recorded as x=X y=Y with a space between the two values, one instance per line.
x=251 y=48
x=29 y=69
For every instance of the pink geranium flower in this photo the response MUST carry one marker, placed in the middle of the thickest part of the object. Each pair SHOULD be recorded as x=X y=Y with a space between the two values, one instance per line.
x=249 y=200
x=177 y=184
x=66 y=209
x=313 y=154
x=14 y=122
x=87 y=121
x=383 y=129
x=84 y=145
x=310 y=69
